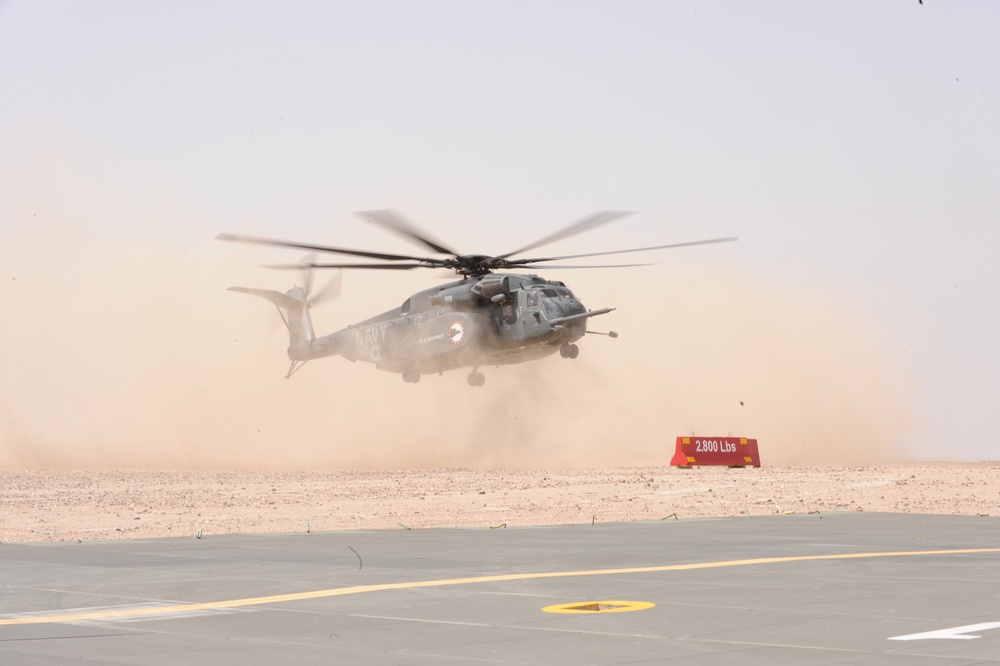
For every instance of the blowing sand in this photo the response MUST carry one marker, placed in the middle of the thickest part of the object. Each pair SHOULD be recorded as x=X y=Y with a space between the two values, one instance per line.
x=66 y=505
x=134 y=356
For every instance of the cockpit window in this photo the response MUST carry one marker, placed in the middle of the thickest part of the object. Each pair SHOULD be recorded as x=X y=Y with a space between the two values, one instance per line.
x=405 y=307
x=552 y=307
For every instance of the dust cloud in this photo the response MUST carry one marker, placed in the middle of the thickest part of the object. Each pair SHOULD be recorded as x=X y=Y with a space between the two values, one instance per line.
x=122 y=349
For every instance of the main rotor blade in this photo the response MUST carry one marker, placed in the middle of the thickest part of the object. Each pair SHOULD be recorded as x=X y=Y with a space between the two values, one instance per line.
x=710 y=241
x=381 y=267
x=578 y=227
x=318 y=248
x=592 y=266
x=395 y=222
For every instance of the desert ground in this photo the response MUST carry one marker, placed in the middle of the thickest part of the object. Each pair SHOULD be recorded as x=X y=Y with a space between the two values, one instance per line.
x=86 y=505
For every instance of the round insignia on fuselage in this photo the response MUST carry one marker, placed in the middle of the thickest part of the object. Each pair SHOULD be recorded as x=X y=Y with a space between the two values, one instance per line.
x=456 y=332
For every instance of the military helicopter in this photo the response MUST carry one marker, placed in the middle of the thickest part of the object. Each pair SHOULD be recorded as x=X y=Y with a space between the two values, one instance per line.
x=484 y=319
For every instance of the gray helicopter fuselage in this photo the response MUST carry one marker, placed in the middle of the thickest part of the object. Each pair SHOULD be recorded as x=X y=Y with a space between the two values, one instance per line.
x=482 y=320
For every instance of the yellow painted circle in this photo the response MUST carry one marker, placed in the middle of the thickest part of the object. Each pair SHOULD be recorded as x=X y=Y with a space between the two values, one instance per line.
x=584 y=607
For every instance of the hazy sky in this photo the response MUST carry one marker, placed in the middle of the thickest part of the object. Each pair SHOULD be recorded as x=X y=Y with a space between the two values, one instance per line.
x=854 y=147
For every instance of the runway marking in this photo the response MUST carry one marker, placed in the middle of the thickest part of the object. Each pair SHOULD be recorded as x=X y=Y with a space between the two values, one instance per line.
x=143 y=612
x=954 y=633
x=591 y=607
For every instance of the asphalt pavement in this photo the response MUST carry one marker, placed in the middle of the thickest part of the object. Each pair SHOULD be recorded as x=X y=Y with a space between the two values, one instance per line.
x=851 y=588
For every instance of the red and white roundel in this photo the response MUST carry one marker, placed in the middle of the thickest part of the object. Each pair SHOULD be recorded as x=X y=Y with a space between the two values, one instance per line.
x=456 y=332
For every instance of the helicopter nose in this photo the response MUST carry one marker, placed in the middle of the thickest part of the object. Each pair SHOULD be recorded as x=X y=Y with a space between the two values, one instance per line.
x=562 y=306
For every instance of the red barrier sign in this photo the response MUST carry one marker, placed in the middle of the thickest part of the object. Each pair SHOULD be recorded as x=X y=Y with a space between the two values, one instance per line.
x=731 y=451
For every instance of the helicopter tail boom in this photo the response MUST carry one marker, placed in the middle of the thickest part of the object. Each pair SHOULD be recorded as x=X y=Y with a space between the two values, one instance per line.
x=293 y=307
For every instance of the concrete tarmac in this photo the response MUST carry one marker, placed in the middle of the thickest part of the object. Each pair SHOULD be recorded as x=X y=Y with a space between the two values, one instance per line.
x=852 y=588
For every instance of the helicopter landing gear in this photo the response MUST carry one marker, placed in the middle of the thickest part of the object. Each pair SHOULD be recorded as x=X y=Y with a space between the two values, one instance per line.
x=569 y=350
x=411 y=376
x=476 y=378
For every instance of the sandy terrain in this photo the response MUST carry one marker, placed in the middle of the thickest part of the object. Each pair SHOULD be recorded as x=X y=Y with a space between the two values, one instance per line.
x=61 y=505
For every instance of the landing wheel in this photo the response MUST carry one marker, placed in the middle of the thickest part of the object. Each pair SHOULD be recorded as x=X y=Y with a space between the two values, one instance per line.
x=411 y=376
x=569 y=350
x=476 y=378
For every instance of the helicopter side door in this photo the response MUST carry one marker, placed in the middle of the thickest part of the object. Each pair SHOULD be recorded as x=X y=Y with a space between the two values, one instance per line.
x=532 y=323
x=507 y=317
x=519 y=318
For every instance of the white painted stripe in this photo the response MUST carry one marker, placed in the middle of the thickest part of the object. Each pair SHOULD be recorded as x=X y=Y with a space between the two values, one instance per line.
x=954 y=633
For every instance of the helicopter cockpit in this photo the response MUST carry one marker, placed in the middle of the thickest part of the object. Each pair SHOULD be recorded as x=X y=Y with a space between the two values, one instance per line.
x=555 y=300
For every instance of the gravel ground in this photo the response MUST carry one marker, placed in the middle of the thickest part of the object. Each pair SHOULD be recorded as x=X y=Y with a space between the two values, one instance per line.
x=69 y=505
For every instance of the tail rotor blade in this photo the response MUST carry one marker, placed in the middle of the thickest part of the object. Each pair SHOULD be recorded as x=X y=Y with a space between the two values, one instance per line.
x=330 y=291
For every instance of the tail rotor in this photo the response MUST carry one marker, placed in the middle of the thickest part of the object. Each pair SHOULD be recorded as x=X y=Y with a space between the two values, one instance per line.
x=293 y=306
x=330 y=291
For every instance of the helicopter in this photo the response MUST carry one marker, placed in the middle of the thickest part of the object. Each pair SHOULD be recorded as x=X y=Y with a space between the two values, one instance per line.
x=486 y=318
